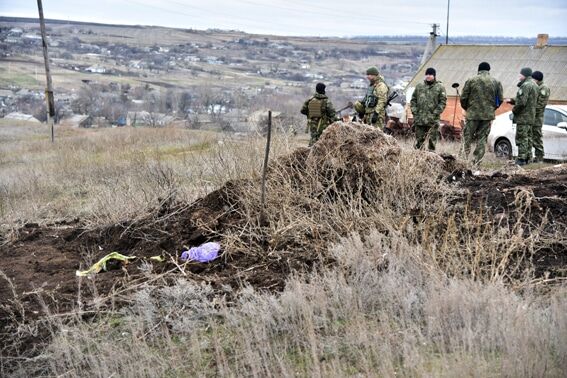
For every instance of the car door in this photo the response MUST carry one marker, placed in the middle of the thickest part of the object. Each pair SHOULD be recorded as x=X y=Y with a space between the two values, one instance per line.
x=554 y=137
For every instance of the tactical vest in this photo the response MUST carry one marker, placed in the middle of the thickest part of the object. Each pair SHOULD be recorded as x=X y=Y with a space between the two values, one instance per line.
x=316 y=108
x=370 y=100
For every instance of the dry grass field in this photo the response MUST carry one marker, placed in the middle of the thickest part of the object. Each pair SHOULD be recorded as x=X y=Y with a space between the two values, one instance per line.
x=369 y=258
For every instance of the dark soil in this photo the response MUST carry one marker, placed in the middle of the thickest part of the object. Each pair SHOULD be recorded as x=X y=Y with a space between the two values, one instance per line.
x=540 y=197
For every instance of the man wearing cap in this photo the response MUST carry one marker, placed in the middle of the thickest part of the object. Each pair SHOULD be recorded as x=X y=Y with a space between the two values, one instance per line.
x=320 y=113
x=482 y=95
x=427 y=103
x=524 y=111
x=542 y=98
x=372 y=109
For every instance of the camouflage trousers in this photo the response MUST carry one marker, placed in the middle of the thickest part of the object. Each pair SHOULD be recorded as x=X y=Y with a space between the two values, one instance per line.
x=428 y=131
x=537 y=139
x=476 y=131
x=524 y=141
x=380 y=120
x=315 y=131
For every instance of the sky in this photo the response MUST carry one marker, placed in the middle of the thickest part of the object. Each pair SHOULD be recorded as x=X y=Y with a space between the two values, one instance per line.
x=511 y=18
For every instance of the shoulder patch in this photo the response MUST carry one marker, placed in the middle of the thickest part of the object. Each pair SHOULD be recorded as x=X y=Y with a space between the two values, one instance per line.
x=543 y=92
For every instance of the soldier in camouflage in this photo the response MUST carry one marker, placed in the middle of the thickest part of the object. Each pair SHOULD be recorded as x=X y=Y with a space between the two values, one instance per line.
x=372 y=109
x=481 y=96
x=524 y=111
x=542 y=98
x=320 y=113
x=427 y=103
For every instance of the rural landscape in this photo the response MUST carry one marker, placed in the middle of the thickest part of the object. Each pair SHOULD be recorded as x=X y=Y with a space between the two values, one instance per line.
x=358 y=256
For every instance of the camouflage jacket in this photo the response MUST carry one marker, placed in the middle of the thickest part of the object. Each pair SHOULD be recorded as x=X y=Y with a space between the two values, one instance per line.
x=376 y=97
x=481 y=96
x=428 y=102
x=542 y=97
x=525 y=102
x=322 y=116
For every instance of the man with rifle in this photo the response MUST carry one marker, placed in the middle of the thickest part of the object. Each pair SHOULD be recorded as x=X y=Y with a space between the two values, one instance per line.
x=372 y=109
x=320 y=113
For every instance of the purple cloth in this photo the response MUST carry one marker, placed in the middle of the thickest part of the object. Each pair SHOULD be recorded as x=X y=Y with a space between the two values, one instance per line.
x=203 y=253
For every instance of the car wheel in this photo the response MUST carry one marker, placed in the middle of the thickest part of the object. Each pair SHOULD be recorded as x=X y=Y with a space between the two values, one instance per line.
x=503 y=149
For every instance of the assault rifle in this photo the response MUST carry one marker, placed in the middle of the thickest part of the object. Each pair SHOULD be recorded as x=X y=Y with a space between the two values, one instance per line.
x=391 y=97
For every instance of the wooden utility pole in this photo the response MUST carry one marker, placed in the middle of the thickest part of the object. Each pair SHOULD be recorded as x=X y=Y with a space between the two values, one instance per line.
x=266 y=157
x=49 y=91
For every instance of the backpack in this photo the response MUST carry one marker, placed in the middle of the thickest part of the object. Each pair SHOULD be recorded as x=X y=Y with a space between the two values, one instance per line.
x=316 y=107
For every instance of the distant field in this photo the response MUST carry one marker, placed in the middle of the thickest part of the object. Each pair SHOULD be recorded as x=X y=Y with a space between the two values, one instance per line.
x=220 y=44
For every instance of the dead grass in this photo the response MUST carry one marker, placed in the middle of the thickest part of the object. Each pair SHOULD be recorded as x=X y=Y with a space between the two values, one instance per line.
x=379 y=312
x=107 y=175
x=410 y=283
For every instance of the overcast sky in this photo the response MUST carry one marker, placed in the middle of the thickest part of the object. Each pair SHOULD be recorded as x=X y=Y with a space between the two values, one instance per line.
x=514 y=18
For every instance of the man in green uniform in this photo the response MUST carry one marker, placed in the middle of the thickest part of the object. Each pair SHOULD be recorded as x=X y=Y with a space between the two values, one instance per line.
x=482 y=95
x=320 y=113
x=427 y=103
x=542 y=98
x=372 y=109
x=524 y=111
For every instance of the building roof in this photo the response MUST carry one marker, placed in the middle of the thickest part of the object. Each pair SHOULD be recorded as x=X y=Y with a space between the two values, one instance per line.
x=16 y=116
x=457 y=63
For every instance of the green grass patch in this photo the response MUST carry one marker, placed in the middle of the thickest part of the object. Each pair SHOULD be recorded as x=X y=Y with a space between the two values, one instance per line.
x=20 y=80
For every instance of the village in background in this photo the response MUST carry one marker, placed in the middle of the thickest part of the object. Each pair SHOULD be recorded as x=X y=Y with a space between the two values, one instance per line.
x=113 y=75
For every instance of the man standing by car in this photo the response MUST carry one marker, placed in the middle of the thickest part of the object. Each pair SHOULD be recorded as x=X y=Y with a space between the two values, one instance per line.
x=372 y=109
x=481 y=96
x=542 y=97
x=524 y=111
x=427 y=103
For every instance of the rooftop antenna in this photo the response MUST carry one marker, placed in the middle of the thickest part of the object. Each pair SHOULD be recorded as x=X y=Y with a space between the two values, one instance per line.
x=447 y=34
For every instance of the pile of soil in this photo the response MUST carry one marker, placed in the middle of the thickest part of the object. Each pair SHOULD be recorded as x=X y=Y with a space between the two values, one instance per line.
x=40 y=265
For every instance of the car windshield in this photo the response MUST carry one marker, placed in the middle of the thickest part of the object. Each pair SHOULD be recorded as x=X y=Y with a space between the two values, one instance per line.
x=553 y=117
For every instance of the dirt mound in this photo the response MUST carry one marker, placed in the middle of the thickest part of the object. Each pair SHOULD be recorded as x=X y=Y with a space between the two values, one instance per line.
x=352 y=157
x=305 y=189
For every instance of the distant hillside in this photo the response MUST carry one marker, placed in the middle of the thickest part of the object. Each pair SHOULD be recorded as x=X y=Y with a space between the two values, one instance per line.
x=465 y=40
x=29 y=20
x=397 y=39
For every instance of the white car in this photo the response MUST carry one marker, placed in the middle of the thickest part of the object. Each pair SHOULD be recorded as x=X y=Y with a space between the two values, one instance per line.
x=501 y=139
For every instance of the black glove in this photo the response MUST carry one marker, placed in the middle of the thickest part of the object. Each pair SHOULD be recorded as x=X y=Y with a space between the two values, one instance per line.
x=374 y=118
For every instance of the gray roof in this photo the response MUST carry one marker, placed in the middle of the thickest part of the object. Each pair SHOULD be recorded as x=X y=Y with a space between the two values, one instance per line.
x=457 y=63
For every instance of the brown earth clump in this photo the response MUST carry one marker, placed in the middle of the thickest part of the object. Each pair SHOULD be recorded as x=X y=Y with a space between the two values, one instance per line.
x=352 y=157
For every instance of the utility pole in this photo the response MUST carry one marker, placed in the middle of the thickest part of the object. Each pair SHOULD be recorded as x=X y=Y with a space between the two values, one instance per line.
x=431 y=44
x=447 y=34
x=49 y=91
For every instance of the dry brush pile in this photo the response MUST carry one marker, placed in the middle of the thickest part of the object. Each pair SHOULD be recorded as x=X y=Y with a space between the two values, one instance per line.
x=355 y=183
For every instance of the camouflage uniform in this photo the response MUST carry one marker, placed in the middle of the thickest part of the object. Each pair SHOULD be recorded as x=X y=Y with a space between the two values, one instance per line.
x=524 y=111
x=481 y=96
x=373 y=107
x=537 y=137
x=427 y=103
x=320 y=113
